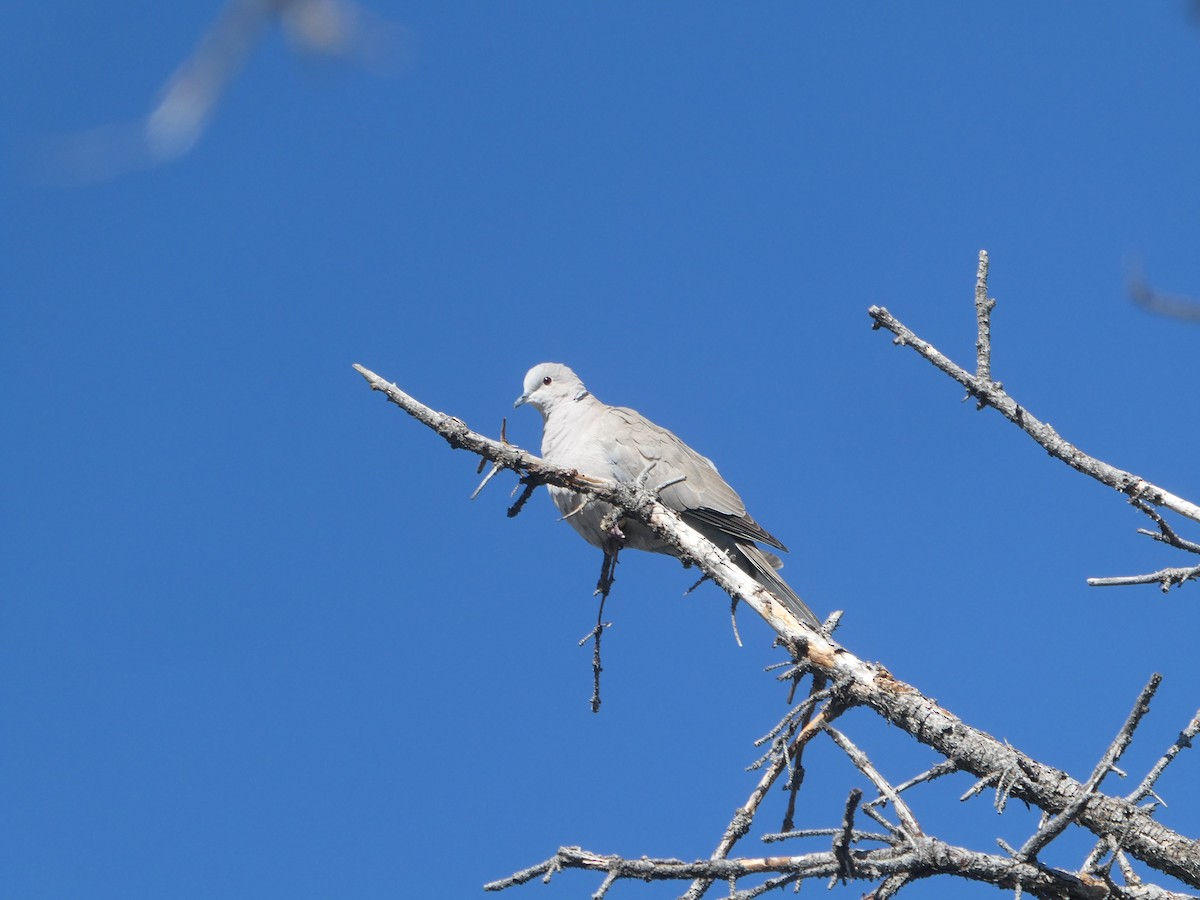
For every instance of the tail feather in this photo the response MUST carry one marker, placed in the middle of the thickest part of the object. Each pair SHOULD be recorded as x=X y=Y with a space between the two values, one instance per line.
x=762 y=569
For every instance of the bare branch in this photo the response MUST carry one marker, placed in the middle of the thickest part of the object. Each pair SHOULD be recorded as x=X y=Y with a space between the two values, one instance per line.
x=496 y=467
x=598 y=632
x=1054 y=825
x=890 y=887
x=992 y=394
x=770 y=884
x=780 y=736
x=1166 y=533
x=859 y=683
x=929 y=857
x=946 y=767
x=1183 y=742
x=1111 y=843
x=1166 y=578
x=908 y=821
x=857 y=836
x=743 y=816
x=978 y=786
x=894 y=830
x=531 y=484
x=841 y=843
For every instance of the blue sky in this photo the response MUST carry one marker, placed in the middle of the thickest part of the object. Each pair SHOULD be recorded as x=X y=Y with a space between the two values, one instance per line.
x=254 y=639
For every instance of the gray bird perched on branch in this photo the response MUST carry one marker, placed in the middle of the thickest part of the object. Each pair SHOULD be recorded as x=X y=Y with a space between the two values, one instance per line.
x=620 y=444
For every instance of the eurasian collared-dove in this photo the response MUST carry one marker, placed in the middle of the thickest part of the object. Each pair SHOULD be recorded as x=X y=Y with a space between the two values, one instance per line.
x=620 y=444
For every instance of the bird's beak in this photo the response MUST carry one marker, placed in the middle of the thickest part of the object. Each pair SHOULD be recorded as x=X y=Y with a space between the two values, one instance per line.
x=520 y=401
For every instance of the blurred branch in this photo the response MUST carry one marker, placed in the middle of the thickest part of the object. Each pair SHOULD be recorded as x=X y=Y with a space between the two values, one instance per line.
x=187 y=101
x=1172 y=306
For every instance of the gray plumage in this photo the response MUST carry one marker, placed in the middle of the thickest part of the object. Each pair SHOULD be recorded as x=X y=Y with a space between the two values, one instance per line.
x=613 y=442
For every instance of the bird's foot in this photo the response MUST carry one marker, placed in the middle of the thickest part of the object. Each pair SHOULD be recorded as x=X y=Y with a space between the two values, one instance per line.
x=610 y=526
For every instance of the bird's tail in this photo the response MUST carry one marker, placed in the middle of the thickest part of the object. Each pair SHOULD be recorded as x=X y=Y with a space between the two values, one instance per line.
x=762 y=568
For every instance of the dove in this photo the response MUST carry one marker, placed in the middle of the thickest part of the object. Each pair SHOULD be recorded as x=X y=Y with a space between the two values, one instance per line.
x=613 y=442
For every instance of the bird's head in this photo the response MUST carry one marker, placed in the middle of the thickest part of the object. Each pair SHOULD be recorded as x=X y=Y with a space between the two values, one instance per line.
x=548 y=385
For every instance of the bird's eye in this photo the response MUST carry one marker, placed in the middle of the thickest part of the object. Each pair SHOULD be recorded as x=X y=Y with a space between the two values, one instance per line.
x=547 y=380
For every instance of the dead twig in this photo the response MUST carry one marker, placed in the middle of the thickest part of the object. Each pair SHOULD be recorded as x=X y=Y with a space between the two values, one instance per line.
x=908 y=822
x=1110 y=843
x=841 y=843
x=1055 y=824
x=743 y=817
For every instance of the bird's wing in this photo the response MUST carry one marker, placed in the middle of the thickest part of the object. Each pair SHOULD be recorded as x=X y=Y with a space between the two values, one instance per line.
x=636 y=446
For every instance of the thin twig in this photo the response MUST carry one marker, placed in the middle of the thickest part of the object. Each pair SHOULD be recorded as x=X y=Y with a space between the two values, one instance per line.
x=594 y=635
x=1183 y=742
x=531 y=485
x=857 y=836
x=945 y=767
x=1110 y=843
x=796 y=751
x=543 y=868
x=1165 y=578
x=890 y=887
x=608 y=882
x=895 y=830
x=608 y=577
x=978 y=786
x=496 y=467
x=841 y=843
x=1057 y=823
x=1166 y=533
x=908 y=821
x=770 y=884
x=780 y=736
x=743 y=816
